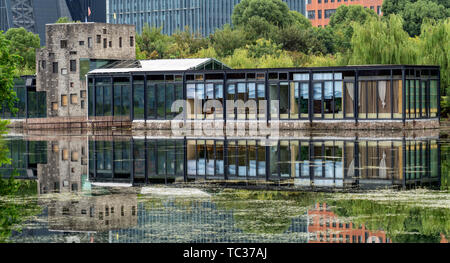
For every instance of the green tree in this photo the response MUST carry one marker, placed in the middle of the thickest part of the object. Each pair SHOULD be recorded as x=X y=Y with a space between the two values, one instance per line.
x=341 y=23
x=299 y=19
x=153 y=43
x=434 y=46
x=24 y=44
x=276 y=12
x=294 y=38
x=263 y=47
x=186 y=43
x=390 y=7
x=380 y=41
x=8 y=70
x=415 y=13
x=226 y=40
x=258 y=27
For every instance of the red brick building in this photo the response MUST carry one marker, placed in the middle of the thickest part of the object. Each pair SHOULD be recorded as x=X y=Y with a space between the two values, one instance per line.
x=320 y=11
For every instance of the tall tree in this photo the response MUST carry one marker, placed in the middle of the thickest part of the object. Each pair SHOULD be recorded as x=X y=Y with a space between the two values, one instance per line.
x=341 y=23
x=24 y=44
x=380 y=41
x=415 y=13
x=226 y=40
x=8 y=67
x=152 y=42
x=434 y=46
x=275 y=12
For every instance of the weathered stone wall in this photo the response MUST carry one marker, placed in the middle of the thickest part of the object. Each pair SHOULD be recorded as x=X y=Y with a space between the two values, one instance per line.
x=81 y=43
x=296 y=125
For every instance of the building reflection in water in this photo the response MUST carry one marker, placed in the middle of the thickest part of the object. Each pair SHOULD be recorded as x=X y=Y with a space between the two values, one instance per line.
x=317 y=162
x=81 y=163
x=63 y=165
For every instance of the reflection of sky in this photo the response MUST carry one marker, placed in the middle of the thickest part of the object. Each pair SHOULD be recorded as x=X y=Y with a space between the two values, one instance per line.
x=317 y=92
x=200 y=91
x=210 y=90
x=261 y=90
x=231 y=89
x=241 y=87
x=219 y=91
x=190 y=90
x=251 y=90
x=328 y=89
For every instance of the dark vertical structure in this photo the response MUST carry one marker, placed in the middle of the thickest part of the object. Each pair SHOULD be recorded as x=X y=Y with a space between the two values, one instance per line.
x=79 y=10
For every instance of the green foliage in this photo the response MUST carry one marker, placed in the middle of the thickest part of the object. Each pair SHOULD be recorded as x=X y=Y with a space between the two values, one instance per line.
x=382 y=42
x=63 y=20
x=294 y=38
x=265 y=212
x=341 y=23
x=186 y=43
x=405 y=223
x=434 y=46
x=226 y=40
x=152 y=43
x=263 y=47
x=275 y=12
x=415 y=13
x=8 y=65
x=24 y=44
x=15 y=208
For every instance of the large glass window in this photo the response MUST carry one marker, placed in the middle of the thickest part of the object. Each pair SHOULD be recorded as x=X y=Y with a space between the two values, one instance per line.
x=338 y=102
x=151 y=102
x=161 y=99
x=138 y=98
x=231 y=91
x=273 y=92
x=261 y=88
x=284 y=100
x=252 y=95
x=434 y=98
x=397 y=99
x=328 y=100
x=241 y=95
x=383 y=101
x=349 y=99
x=317 y=99
x=102 y=97
x=122 y=97
x=170 y=98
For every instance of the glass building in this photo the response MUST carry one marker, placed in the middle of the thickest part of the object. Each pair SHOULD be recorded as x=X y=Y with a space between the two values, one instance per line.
x=202 y=16
x=30 y=103
x=146 y=90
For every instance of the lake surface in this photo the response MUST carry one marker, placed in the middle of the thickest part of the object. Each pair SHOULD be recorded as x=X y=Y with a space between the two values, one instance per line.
x=151 y=187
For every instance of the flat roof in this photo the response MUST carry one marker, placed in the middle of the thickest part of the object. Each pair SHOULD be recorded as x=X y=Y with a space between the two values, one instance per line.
x=156 y=65
x=193 y=65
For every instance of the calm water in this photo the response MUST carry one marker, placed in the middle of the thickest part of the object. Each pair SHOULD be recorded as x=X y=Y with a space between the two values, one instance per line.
x=351 y=187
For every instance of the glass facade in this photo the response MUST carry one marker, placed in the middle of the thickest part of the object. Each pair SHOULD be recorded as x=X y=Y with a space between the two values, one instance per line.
x=359 y=93
x=337 y=162
x=29 y=104
x=201 y=16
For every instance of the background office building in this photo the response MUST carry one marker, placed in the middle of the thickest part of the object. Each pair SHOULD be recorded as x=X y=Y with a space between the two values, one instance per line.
x=202 y=16
x=34 y=14
x=320 y=11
